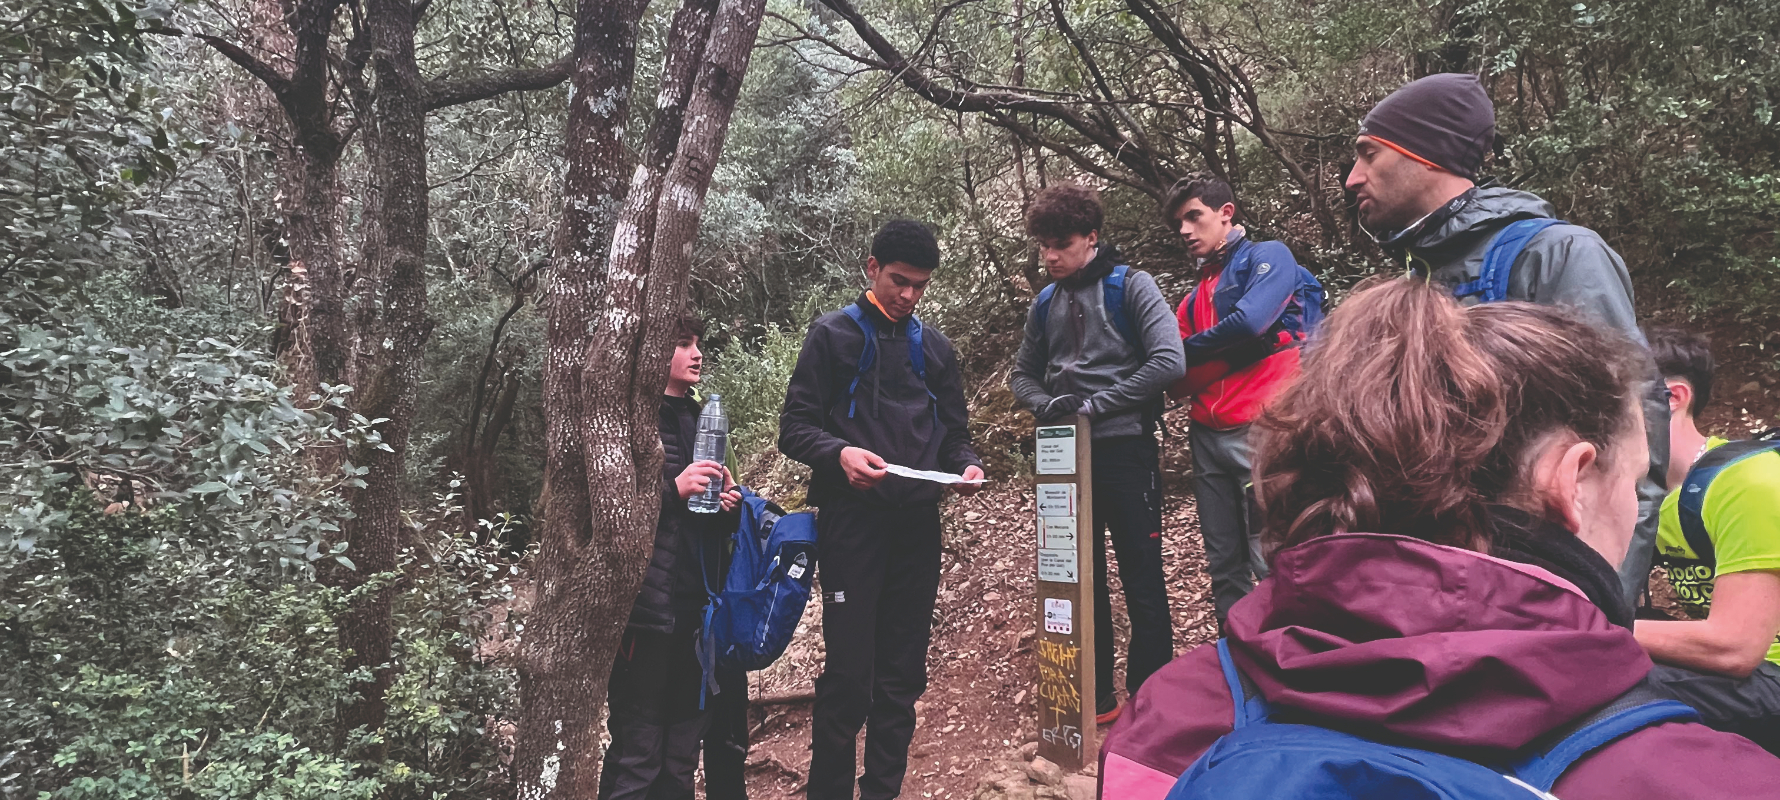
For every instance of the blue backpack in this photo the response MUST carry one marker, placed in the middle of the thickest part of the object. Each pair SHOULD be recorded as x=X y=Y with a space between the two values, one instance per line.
x=1498 y=262
x=1112 y=294
x=749 y=623
x=917 y=355
x=1266 y=758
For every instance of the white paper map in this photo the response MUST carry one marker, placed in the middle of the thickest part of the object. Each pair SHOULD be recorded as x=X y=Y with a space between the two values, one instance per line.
x=928 y=475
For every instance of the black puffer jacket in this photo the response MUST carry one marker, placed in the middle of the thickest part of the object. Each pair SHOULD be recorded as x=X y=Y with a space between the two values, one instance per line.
x=673 y=589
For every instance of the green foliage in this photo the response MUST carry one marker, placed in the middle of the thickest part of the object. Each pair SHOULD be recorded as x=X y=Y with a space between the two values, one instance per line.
x=789 y=211
x=80 y=140
x=142 y=664
x=752 y=377
x=203 y=424
x=1652 y=121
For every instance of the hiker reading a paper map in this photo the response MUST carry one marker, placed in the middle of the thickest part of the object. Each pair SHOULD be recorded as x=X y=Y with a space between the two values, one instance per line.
x=875 y=388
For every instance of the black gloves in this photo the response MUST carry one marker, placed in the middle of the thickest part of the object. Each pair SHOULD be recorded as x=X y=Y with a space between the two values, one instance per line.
x=1061 y=406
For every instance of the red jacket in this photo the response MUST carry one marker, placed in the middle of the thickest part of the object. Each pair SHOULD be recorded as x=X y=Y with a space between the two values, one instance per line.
x=1443 y=646
x=1246 y=299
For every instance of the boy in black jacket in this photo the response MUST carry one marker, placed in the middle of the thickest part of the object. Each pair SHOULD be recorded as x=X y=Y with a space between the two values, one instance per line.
x=653 y=697
x=848 y=416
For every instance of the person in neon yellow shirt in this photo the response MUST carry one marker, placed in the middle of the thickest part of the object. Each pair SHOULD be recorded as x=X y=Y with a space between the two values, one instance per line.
x=1726 y=660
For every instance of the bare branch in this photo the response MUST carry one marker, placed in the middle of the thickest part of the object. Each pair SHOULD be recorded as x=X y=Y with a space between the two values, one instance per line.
x=279 y=84
x=442 y=93
x=1113 y=141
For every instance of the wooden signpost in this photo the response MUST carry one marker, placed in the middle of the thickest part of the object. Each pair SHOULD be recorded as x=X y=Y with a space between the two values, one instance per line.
x=1065 y=524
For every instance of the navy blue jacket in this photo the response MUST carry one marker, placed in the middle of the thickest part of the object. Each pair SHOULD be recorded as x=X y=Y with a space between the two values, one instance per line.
x=1263 y=291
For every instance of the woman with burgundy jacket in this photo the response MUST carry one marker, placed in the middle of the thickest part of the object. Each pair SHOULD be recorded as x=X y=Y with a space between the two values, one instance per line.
x=1446 y=493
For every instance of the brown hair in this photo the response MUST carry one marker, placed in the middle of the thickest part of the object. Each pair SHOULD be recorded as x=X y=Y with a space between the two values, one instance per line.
x=1413 y=414
x=1065 y=210
x=1203 y=186
x=688 y=328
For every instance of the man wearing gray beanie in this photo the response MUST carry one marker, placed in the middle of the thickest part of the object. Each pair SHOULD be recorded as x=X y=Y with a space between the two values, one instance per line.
x=1416 y=161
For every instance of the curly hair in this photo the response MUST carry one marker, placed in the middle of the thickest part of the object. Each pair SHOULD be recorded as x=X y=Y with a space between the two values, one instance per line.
x=1065 y=210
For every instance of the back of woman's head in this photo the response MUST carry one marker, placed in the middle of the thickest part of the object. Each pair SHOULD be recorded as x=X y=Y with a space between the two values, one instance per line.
x=1413 y=414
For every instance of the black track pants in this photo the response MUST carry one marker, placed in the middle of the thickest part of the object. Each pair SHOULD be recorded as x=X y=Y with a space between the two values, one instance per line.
x=1128 y=507
x=879 y=572
x=726 y=743
x=655 y=721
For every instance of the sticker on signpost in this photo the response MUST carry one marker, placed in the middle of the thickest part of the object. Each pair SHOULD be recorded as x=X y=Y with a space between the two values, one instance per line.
x=1056 y=533
x=1057 y=565
x=1059 y=617
x=1056 y=450
x=1056 y=499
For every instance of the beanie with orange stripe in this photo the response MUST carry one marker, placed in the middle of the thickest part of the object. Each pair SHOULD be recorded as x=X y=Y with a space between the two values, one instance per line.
x=1443 y=120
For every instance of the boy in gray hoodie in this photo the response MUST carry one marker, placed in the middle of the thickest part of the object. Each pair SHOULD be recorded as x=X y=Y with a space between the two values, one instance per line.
x=1079 y=357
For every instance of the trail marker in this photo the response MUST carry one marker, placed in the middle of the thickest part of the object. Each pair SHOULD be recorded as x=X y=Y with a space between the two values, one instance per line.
x=1065 y=604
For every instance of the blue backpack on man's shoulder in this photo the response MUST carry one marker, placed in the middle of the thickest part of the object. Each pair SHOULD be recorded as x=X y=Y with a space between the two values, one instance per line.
x=1263 y=757
x=1491 y=285
x=917 y=355
x=751 y=620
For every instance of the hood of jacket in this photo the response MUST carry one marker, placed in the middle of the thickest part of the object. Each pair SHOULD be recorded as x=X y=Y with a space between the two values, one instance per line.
x=1459 y=224
x=1440 y=645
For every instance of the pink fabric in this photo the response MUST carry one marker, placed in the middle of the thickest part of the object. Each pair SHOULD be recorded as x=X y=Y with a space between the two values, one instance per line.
x=1445 y=646
x=1531 y=569
x=1128 y=780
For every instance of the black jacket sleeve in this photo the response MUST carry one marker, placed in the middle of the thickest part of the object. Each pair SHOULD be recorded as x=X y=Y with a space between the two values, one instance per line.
x=808 y=396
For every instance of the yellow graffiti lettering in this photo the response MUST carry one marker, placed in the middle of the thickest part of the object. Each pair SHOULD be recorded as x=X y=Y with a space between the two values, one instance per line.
x=1060 y=697
x=1057 y=654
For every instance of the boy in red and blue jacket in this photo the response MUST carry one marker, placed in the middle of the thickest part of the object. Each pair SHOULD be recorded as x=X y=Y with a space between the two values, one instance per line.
x=1240 y=328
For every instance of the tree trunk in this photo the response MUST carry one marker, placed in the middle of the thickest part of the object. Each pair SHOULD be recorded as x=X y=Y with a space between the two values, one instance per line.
x=364 y=327
x=387 y=366
x=610 y=336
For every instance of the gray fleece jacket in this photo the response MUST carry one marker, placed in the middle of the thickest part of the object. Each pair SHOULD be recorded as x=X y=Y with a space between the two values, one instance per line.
x=1565 y=265
x=1078 y=351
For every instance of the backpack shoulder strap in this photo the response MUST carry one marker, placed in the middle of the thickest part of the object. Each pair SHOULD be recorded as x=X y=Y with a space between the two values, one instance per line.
x=1044 y=304
x=1112 y=294
x=1690 y=505
x=866 y=356
x=1250 y=707
x=917 y=353
x=1498 y=261
x=1635 y=710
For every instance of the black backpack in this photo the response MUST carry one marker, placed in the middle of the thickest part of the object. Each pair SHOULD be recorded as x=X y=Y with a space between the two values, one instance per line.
x=1692 y=499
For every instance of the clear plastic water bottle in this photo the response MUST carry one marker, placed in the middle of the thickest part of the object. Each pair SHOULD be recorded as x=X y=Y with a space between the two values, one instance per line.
x=713 y=440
